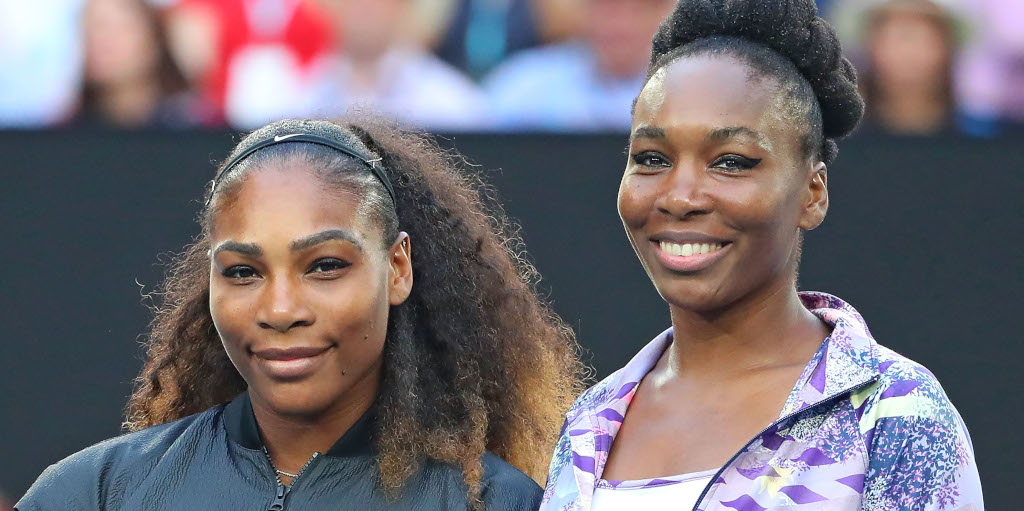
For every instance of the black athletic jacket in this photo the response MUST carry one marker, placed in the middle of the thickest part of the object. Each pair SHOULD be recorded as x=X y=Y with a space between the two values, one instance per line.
x=215 y=460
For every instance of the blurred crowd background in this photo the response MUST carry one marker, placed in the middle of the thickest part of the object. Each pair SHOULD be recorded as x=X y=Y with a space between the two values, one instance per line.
x=927 y=67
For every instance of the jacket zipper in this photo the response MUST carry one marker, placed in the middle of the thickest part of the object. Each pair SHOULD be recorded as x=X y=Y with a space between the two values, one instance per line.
x=282 y=490
x=700 y=500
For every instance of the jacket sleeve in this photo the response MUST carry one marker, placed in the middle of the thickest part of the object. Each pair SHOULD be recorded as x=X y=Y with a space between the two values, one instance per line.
x=63 y=486
x=920 y=453
x=560 y=491
x=505 y=488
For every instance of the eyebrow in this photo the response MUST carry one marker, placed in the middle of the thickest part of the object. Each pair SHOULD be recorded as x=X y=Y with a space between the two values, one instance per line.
x=254 y=250
x=249 y=249
x=645 y=131
x=321 y=237
x=730 y=132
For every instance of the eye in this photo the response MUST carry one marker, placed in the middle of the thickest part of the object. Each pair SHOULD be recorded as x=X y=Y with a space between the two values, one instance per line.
x=735 y=163
x=240 y=273
x=651 y=159
x=327 y=265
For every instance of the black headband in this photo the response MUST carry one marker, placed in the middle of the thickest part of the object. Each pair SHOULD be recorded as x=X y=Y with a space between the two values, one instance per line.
x=377 y=170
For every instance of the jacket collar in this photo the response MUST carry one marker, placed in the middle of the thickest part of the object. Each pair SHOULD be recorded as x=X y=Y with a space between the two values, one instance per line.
x=241 y=426
x=847 y=359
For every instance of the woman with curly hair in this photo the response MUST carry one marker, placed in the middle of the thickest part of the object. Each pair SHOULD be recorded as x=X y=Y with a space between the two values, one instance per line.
x=758 y=397
x=351 y=329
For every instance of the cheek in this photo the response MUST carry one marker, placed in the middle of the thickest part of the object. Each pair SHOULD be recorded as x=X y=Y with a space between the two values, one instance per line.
x=760 y=206
x=350 y=309
x=769 y=221
x=230 y=316
x=634 y=202
x=231 y=311
x=355 y=316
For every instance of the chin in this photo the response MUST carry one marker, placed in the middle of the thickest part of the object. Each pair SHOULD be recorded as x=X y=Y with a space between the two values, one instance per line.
x=694 y=297
x=298 y=399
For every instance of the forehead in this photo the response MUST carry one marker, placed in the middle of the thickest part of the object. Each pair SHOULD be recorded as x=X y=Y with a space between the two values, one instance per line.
x=703 y=92
x=287 y=201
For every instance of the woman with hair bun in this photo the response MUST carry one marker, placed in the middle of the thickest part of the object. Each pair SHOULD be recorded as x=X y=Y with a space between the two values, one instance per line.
x=350 y=330
x=758 y=397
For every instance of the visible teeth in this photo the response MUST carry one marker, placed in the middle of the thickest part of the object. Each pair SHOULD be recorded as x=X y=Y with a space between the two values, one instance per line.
x=689 y=249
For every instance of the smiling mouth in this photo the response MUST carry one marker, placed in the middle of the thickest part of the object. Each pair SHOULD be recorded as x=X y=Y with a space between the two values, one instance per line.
x=689 y=257
x=689 y=249
x=290 y=353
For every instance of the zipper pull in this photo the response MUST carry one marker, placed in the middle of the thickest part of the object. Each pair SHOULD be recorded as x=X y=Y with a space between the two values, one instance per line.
x=278 y=504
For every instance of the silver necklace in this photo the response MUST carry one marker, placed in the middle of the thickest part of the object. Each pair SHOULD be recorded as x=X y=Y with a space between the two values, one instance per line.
x=282 y=472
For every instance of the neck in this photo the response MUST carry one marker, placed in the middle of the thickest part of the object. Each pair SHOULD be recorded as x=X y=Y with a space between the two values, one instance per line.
x=366 y=70
x=291 y=440
x=912 y=111
x=765 y=330
x=614 y=69
x=129 y=104
x=367 y=58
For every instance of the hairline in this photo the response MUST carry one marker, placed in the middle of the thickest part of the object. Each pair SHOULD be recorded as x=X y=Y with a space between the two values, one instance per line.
x=371 y=202
x=787 y=98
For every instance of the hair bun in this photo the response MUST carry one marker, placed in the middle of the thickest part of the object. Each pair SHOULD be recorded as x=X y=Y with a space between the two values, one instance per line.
x=841 y=104
x=793 y=29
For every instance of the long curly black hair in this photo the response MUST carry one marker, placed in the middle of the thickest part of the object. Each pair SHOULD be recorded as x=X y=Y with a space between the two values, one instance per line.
x=783 y=39
x=473 y=360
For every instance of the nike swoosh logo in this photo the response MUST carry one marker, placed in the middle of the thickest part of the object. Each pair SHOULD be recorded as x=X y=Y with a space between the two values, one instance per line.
x=285 y=137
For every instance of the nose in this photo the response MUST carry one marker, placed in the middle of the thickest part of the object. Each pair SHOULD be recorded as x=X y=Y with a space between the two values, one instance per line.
x=282 y=306
x=683 y=192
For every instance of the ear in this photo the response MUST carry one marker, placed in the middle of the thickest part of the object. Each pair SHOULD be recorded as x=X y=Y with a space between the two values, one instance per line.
x=815 y=205
x=400 y=271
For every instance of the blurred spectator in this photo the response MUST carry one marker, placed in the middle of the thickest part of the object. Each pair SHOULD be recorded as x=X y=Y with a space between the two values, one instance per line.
x=908 y=82
x=823 y=5
x=380 y=65
x=251 y=58
x=991 y=77
x=130 y=78
x=583 y=85
x=558 y=19
x=480 y=33
x=477 y=35
x=40 y=61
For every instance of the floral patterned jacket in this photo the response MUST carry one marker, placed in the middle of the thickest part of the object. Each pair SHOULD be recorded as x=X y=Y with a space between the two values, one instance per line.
x=864 y=429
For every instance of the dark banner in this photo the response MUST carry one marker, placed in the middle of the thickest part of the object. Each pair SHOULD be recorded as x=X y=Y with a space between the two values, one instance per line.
x=923 y=237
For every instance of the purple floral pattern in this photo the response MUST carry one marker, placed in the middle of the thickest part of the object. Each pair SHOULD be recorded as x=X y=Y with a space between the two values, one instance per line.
x=863 y=429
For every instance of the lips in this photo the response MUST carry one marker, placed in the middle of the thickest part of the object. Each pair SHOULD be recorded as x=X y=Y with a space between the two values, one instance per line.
x=688 y=251
x=682 y=237
x=289 y=364
x=290 y=353
x=685 y=259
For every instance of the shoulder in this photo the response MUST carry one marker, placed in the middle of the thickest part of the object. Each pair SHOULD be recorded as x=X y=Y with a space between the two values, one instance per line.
x=545 y=89
x=905 y=390
x=88 y=478
x=434 y=94
x=506 y=488
x=607 y=397
x=539 y=65
x=920 y=453
x=614 y=387
x=610 y=397
x=428 y=75
x=432 y=67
